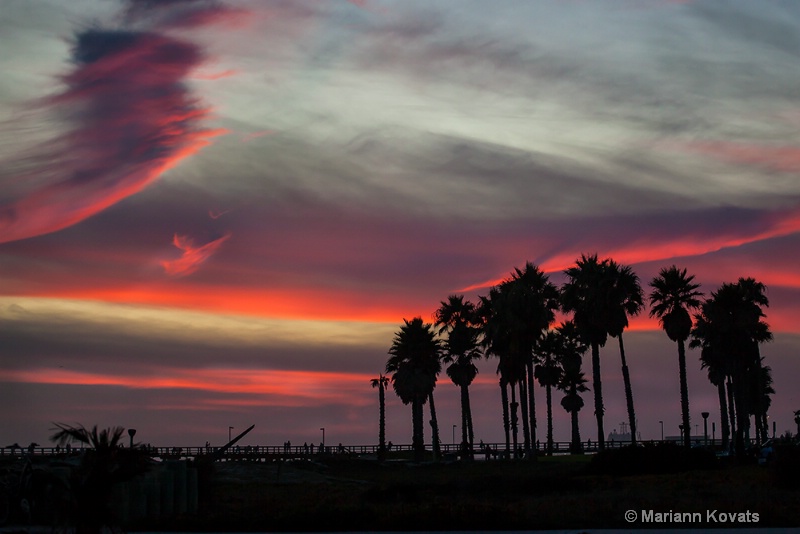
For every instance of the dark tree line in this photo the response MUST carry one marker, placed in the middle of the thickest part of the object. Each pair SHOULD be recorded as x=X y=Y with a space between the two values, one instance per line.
x=514 y=323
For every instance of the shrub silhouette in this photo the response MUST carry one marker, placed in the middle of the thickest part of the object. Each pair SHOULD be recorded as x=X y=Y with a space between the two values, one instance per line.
x=660 y=458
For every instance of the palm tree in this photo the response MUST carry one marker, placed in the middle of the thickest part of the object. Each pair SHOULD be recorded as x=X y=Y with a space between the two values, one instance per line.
x=730 y=329
x=586 y=294
x=797 y=420
x=627 y=298
x=520 y=309
x=381 y=382
x=761 y=391
x=414 y=360
x=672 y=300
x=572 y=382
x=548 y=372
x=102 y=466
x=460 y=320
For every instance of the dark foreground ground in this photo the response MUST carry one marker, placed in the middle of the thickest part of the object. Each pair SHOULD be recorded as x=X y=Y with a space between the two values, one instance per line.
x=552 y=493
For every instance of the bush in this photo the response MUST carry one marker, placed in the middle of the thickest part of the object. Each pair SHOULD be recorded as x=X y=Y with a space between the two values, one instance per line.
x=787 y=465
x=658 y=458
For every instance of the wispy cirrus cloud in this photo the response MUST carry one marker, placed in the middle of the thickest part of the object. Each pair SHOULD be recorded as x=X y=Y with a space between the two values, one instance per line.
x=125 y=117
x=192 y=256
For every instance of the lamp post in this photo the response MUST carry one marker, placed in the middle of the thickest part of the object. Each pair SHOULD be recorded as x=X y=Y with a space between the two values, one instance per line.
x=454 y=434
x=662 y=430
x=229 y=433
x=323 y=437
x=705 y=428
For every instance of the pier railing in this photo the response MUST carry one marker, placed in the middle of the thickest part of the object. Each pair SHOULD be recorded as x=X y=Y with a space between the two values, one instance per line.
x=307 y=451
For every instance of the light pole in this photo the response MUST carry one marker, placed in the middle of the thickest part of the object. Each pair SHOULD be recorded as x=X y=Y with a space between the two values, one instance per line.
x=705 y=428
x=229 y=433
x=323 y=437
x=454 y=434
x=662 y=430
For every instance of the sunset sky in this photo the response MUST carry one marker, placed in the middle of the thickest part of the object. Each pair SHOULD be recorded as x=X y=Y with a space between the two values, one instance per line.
x=217 y=213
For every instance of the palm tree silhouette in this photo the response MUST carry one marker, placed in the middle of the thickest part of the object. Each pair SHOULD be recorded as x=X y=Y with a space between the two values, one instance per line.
x=460 y=320
x=586 y=294
x=730 y=329
x=381 y=382
x=709 y=335
x=627 y=298
x=549 y=372
x=103 y=465
x=573 y=381
x=672 y=300
x=797 y=421
x=414 y=360
x=761 y=392
x=520 y=309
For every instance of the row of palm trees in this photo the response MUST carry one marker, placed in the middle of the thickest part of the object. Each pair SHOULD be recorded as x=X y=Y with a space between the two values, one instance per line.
x=514 y=323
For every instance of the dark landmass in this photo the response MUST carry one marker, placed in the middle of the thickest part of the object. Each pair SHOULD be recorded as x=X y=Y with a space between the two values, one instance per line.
x=552 y=493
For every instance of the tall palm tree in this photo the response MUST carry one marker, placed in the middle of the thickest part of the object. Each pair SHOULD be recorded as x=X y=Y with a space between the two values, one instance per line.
x=586 y=294
x=572 y=381
x=672 y=300
x=414 y=360
x=381 y=383
x=548 y=372
x=520 y=309
x=459 y=319
x=730 y=329
x=627 y=298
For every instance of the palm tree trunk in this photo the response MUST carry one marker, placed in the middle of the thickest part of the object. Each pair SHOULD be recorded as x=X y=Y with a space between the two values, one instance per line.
x=514 y=419
x=626 y=377
x=576 y=447
x=549 y=420
x=684 y=394
x=464 y=423
x=524 y=391
x=470 y=433
x=437 y=450
x=418 y=439
x=723 y=414
x=742 y=412
x=504 y=398
x=731 y=409
x=598 y=396
x=382 y=431
x=532 y=408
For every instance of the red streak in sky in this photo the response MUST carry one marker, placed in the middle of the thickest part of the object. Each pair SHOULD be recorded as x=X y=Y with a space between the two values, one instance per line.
x=192 y=256
x=266 y=385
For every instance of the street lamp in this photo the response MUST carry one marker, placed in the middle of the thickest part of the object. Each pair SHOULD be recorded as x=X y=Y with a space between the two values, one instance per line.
x=229 y=433
x=454 y=434
x=323 y=437
x=662 y=430
x=705 y=427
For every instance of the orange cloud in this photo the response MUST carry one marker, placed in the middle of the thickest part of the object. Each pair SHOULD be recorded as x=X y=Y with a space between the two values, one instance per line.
x=264 y=387
x=192 y=256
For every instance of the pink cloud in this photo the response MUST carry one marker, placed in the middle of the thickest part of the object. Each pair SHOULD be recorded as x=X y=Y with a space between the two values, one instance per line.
x=192 y=256
x=781 y=158
x=215 y=75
